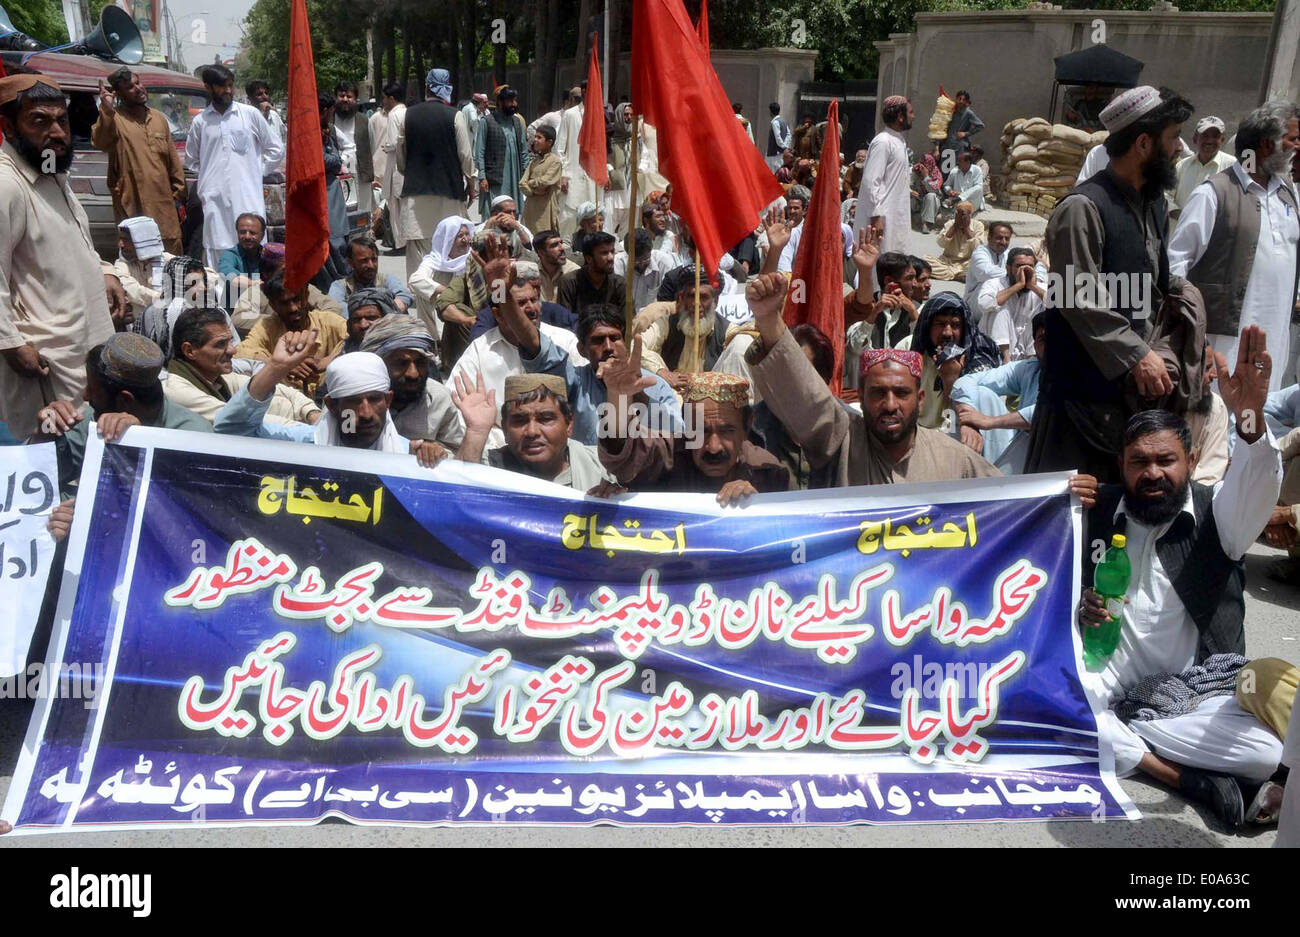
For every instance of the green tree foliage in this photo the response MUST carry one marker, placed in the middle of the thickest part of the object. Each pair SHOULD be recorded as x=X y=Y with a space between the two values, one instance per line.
x=40 y=19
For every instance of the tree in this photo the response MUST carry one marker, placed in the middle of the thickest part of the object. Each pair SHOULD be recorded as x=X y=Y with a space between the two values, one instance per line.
x=42 y=20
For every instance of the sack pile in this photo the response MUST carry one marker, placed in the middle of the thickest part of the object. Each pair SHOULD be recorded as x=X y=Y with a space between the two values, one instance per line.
x=942 y=116
x=1041 y=161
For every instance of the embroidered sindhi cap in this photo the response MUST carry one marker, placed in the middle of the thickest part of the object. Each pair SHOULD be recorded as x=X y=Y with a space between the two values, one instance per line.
x=714 y=385
x=1129 y=106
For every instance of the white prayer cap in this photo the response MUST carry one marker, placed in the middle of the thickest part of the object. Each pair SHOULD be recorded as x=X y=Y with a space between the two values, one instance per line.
x=356 y=373
x=1129 y=106
x=145 y=236
x=1205 y=123
x=501 y=200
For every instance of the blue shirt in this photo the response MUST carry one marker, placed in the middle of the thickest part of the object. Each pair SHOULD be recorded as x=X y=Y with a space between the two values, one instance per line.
x=244 y=416
x=587 y=391
x=233 y=263
x=1282 y=410
x=339 y=291
x=1019 y=378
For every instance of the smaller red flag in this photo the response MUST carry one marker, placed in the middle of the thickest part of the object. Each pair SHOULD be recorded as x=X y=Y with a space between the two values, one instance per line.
x=306 y=207
x=702 y=27
x=816 y=282
x=592 y=154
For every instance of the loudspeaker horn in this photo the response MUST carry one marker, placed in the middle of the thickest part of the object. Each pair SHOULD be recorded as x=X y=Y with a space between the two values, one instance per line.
x=12 y=39
x=116 y=37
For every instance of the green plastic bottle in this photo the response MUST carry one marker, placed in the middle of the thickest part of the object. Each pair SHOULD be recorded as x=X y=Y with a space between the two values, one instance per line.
x=1111 y=583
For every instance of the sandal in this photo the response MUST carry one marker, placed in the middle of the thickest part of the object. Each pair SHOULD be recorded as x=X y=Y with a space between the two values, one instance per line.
x=1264 y=809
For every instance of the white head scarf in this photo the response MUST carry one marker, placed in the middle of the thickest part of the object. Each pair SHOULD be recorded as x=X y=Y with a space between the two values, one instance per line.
x=147 y=241
x=350 y=375
x=444 y=236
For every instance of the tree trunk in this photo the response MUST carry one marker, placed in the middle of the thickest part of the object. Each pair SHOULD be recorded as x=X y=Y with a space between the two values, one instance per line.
x=550 y=55
x=406 y=64
x=584 y=44
x=466 y=36
x=390 y=48
x=617 y=9
x=499 y=48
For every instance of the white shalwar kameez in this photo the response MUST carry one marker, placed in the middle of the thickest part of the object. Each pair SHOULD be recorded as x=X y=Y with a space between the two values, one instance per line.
x=885 y=191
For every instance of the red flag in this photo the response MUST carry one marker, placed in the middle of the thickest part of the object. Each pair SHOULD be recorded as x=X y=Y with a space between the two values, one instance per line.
x=306 y=208
x=591 y=138
x=816 y=283
x=703 y=25
x=720 y=186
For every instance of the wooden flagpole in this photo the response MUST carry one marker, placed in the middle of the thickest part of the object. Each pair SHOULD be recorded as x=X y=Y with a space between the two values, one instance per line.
x=695 y=340
x=632 y=215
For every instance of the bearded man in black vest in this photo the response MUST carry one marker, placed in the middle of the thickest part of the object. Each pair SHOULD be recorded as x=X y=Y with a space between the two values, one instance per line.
x=1110 y=272
x=1184 y=611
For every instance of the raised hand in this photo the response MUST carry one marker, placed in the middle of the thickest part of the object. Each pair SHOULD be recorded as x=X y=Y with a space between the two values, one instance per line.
x=621 y=373
x=777 y=229
x=107 y=97
x=293 y=349
x=498 y=268
x=477 y=406
x=866 y=252
x=765 y=295
x=1247 y=389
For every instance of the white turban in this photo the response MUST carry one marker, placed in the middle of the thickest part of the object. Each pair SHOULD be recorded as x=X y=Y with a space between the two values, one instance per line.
x=145 y=236
x=586 y=210
x=354 y=374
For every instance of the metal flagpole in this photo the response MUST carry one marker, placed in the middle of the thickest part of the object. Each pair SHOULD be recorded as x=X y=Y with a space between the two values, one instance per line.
x=695 y=340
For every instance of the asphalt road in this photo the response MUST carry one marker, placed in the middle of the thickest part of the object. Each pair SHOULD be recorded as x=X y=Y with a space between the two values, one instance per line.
x=1272 y=630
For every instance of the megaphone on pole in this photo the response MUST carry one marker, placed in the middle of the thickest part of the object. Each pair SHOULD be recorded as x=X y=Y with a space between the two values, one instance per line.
x=116 y=37
x=11 y=38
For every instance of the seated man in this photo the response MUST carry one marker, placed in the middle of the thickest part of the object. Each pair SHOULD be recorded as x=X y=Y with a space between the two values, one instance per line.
x=714 y=455
x=552 y=313
x=595 y=283
x=492 y=354
x=537 y=422
x=1185 y=600
x=366 y=307
x=200 y=377
x=139 y=266
x=363 y=262
x=648 y=269
x=987 y=260
x=924 y=274
x=357 y=399
x=673 y=348
x=1007 y=305
x=422 y=407
x=253 y=305
x=552 y=261
x=890 y=318
x=881 y=446
x=965 y=183
x=598 y=334
x=504 y=221
x=950 y=346
x=979 y=398
x=122 y=390
x=590 y=219
x=240 y=266
x=292 y=312
x=957 y=241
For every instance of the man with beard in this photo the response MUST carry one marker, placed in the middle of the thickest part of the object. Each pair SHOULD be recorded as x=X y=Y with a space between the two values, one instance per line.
x=358 y=395
x=122 y=390
x=655 y=220
x=230 y=147
x=1108 y=236
x=885 y=444
x=884 y=201
x=1236 y=237
x=422 y=406
x=714 y=455
x=552 y=262
x=537 y=423
x=963 y=124
x=240 y=266
x=144 y=170
x=1185 y=604
x=53 y=306
x=500 y=151
x=677 y=343
x=599 y=331
x=365 y=308
x=200 y=374
x=363 y=262
x=595 y=282
x=293 y=312
x=353 y=134
x=649 y=268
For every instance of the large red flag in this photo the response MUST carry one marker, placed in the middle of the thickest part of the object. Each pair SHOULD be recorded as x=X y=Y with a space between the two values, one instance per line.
x=720 y=182
x=591 y=138
x=306 y=208
x=703 y=25
x=816 y=284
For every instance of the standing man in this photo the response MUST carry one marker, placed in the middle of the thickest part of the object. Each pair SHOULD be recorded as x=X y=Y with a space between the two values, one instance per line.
x=1237 y=236
x=377 y=130
x=474 y=113
x=353 y=134
x=883 y=200
x=576 y=184
x=144 y=170
x=259 y=95
x=500 y=150
x=778 y=137
x=230 y=148
x=52 y=288
x=963 y=125
x=394 y=109
x=1206 y=162
x=1111 y=228
x=434 y=156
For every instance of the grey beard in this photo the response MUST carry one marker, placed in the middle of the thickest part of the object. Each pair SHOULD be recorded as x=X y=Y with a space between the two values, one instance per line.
x=1277 y=163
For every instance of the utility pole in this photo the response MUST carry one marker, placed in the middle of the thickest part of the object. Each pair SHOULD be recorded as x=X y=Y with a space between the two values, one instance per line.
x=1280 y=78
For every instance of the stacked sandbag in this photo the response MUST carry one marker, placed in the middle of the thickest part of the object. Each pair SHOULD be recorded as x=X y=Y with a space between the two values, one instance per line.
x=942 y=116
x=1041 y=161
